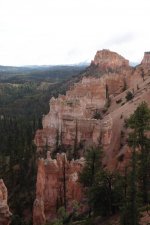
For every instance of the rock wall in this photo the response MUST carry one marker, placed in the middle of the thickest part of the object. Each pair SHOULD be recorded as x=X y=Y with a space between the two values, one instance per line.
x=72 y=116
x=57 y=185
x=146 y=59
x=71 y=120
x=106 y=59
x=92 y=112
x=5 y=214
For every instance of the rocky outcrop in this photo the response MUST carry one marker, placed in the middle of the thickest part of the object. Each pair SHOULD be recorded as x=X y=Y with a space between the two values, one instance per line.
x=5 y=215
x=57 y=185
x=78 y=118
x=72 y=119
x=106 y=59
x=91 y=113
x=146 y=60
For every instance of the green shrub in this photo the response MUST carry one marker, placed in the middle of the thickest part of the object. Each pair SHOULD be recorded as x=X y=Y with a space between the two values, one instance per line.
x=129 y=96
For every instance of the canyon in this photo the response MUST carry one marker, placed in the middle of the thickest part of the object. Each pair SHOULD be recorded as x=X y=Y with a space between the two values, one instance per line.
x=92 y=113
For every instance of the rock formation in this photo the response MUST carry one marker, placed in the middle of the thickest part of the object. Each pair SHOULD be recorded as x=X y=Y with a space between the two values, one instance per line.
x=92 y=112
x=106 y=59
x=57 y=185
x=72 y=117
x=146 y=60
x=5 y=215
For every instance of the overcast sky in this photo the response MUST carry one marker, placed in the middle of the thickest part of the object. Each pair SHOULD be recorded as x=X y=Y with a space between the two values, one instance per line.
x=71 y=31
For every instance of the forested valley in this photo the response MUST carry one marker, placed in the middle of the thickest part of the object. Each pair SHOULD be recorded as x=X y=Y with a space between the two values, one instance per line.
x=24 y=96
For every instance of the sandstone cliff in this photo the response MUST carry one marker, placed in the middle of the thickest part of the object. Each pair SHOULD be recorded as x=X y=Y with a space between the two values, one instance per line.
x=92 y=112
x=72 y=119
x=106 y=59
x=5 y=215
x=57 y=185
x=146 y=59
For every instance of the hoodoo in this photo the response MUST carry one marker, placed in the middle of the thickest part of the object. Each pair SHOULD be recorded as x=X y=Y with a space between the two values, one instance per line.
x=57 y=184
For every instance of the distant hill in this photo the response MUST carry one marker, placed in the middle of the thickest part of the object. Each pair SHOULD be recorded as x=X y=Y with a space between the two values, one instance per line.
x=30 y=73
x=27 y=90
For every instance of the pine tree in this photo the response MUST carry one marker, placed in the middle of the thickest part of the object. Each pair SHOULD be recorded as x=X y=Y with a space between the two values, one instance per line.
x=104 y=191
x=92 y=166
x=130 y=207
x=140 y=123
x=91 y=169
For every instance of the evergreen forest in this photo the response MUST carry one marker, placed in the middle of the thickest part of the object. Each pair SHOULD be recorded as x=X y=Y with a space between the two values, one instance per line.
x=24 y=98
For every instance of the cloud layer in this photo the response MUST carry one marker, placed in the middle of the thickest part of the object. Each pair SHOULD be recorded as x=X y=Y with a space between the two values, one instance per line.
x=71 y=31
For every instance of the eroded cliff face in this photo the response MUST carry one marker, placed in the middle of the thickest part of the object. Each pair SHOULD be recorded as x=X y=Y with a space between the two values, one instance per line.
x=5 y=214
x=57 y=185
x=91 y=113
x=146 y=59
x=106 y=59
x=72 y=117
